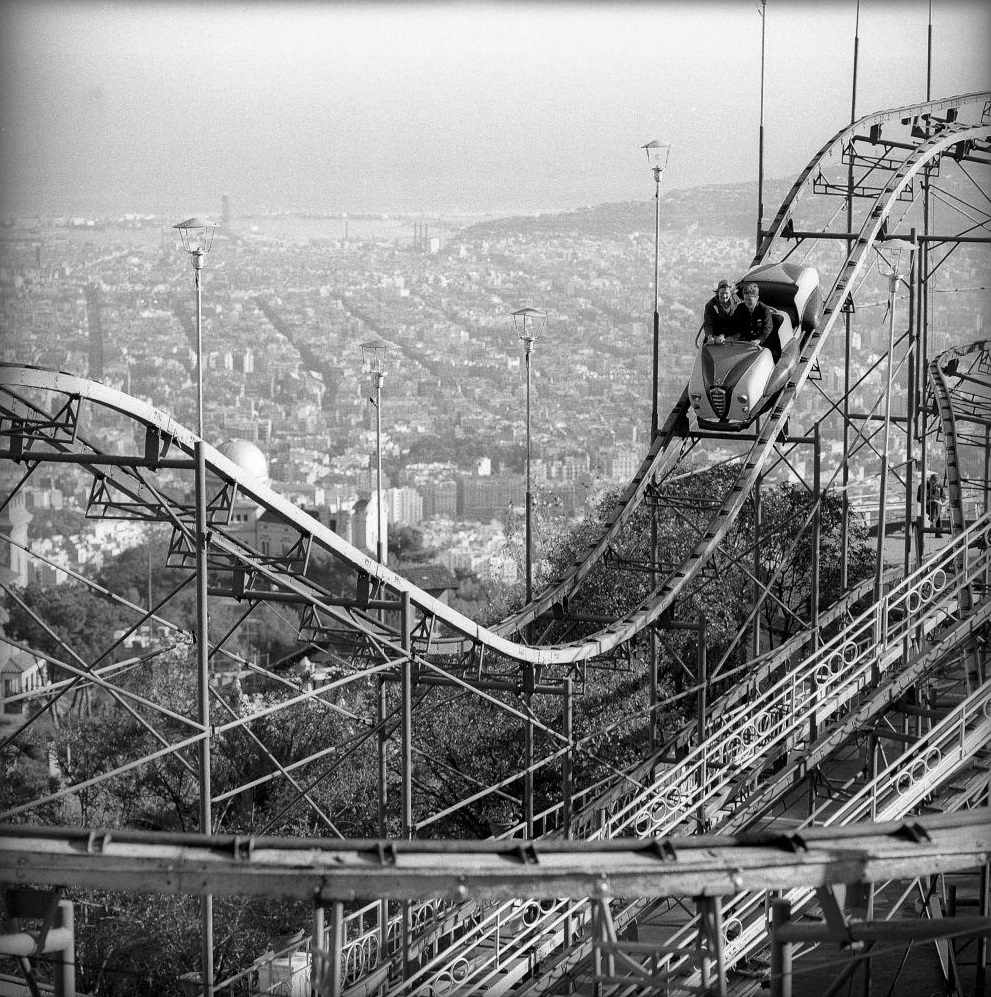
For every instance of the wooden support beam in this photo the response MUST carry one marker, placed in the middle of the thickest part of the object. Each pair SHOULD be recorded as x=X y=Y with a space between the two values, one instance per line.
x=325 y=870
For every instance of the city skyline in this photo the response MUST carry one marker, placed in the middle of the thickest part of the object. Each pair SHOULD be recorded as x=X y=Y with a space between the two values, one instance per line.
x=441 y=107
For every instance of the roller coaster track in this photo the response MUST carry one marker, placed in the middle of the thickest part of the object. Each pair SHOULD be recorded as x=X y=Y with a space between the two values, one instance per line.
x=667 y=449
x=682 y=791
x=925 y=772
x=837 y=678
x=958 y=389
x=720 y=776
x=835 y=687
x=671 y=436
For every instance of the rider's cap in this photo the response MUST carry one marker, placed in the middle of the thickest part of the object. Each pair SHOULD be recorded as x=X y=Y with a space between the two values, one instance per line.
x=751 y=289
x=724 y=283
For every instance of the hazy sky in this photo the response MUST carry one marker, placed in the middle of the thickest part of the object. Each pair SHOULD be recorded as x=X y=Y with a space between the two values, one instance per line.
x=159 y=107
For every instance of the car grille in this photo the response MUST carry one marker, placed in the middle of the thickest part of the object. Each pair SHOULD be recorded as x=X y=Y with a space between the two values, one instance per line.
x=719 y=400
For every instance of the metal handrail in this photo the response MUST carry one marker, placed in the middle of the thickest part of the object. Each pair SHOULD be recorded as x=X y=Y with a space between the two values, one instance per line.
x=822 y=683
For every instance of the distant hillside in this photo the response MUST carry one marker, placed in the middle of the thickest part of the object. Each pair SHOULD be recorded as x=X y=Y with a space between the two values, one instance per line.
x=720 y=210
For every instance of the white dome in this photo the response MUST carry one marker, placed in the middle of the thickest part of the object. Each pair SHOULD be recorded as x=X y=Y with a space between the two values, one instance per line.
x=249 y=458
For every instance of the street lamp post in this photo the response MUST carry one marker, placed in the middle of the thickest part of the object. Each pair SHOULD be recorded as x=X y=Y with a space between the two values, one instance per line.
x=899 y=256
x=657 y=158
x=374 y=357
x=529 y=323
x=197 y=239
x=762 y=10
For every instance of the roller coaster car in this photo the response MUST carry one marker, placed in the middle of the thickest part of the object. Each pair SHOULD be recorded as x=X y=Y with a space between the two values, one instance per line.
x=734 y=381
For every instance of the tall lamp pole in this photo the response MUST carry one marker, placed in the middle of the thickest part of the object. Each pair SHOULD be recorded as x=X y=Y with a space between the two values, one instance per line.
x=197 y=239
x=899 y=255
x=657 y=158
x=374 y=358
x=529 y=323
x=762 y=10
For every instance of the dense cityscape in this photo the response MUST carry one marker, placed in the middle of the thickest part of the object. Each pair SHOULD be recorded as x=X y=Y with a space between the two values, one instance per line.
x=289 y=300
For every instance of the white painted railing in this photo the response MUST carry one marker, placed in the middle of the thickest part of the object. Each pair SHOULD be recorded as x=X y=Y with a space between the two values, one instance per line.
x=935 y=758
x=818 y=686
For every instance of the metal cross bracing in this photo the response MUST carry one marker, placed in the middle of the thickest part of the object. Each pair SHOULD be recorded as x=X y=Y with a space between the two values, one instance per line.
x=756 y=676
x=879 y=713
x=876 y=215
x=960 y=389
x=827 y=684
x=905 y=605
x=951 y=757
x=823 y=684
x=961 y=401
x=918 y=588
x=911 y=597
x=431 y=638
x=895 y=119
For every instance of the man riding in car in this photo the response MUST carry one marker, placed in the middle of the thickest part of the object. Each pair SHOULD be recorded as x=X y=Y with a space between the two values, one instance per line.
x=752 y=320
